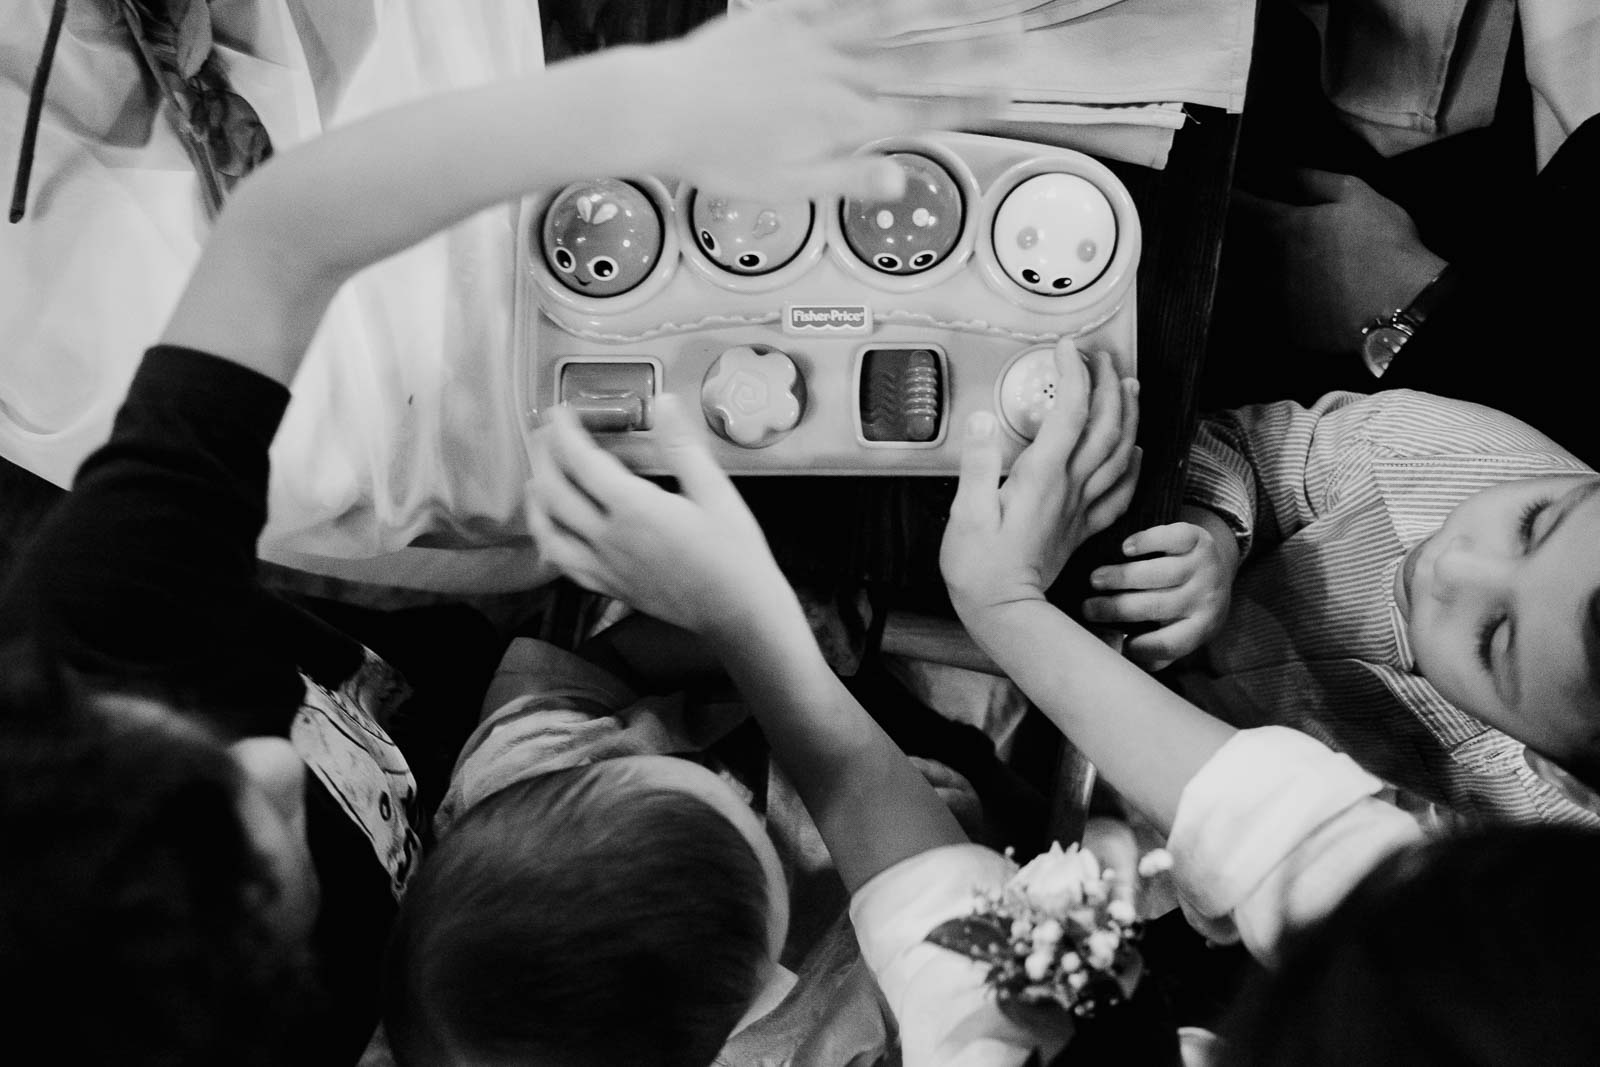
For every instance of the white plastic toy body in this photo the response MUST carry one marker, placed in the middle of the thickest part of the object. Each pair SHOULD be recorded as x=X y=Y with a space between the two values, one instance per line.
x=810 y=358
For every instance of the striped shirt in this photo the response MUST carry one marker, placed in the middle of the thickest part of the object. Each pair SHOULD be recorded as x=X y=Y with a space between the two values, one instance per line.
x=1325 y=502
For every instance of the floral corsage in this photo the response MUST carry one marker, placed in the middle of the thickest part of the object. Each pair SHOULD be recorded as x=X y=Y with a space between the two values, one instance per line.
x=1054 y=935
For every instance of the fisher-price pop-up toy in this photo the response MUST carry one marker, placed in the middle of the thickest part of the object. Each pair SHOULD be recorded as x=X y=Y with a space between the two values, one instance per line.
x=838 y=337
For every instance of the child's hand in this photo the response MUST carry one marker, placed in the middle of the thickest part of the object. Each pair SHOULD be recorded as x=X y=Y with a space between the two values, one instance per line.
x=1007 y=543
x=696 y=558
x=772 y=102
x=1185 y=588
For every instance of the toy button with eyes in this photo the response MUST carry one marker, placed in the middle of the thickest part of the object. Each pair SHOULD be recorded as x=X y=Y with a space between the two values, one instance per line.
x=1054 y=234
x=748 y=236
x=601 y=237
x=913 y=233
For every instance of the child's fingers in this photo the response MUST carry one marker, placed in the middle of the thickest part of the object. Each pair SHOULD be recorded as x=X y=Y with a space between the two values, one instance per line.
x=1172 y=539
x=1063 y=422
x=1111 y=471
x=894 y=112
x=1116 y=500
x=591 y=469
x=553 y=495
x=1164 y=572
x=1102 y=430
x=1161 y=606
x=977 y=498
x=1161 y=648
x=555 y=543
x=681 y=446
x=860 y=177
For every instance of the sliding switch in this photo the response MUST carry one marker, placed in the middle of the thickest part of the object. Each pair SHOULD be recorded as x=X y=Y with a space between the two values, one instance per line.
x=610 y=397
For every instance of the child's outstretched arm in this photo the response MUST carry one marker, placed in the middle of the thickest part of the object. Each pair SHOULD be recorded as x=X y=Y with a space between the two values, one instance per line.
x=771 y=103
x=1180 y=578
x=697 y=559
x=1005 y=545
x=1268 y=827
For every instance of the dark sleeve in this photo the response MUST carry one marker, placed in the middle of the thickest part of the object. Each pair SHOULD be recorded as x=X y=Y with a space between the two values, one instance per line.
x=144 y=575
x=1512 y=335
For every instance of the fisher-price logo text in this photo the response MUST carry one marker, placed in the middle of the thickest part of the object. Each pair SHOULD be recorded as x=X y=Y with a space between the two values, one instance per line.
x=828 y=318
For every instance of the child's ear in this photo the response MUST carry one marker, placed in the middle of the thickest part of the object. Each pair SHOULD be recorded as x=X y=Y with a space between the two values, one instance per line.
x=1562 y=780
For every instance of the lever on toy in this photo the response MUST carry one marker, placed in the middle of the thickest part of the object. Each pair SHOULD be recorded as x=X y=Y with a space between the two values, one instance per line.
x=610 y=397
x=753 y=395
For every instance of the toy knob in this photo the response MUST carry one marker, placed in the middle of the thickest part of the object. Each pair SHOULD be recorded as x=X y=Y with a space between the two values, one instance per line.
x=1031 y=386
x=753 y=395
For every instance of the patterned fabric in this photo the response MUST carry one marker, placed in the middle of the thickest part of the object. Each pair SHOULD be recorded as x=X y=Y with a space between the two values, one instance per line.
x=1325 y=502
x=337 y=732
x=218 y=127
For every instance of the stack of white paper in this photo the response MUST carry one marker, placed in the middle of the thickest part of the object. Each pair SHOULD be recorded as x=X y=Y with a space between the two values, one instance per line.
x=1109 y=77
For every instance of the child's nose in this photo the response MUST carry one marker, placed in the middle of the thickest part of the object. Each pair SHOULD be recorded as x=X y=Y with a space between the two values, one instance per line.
x=1463 y=569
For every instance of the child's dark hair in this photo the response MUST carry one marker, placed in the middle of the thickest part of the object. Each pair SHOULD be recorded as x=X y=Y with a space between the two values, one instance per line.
x=131 y=895
x=1481 y=948
x=580 y=918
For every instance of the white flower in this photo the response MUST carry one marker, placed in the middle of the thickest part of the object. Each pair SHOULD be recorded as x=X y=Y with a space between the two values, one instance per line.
x=1021 y=929
x=1120 y=911
x=1038 y=965
x=1055 y=881
x=1070 y=962
x=1077 y=980
x=1046 y=935
x=1155 y=862
x=1102 y=945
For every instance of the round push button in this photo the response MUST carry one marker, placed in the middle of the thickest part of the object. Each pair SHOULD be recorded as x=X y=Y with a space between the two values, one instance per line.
x=1031 y=386
x=1054 y=234
x=913 y=233
x=749 y=236
x=601 y=237
x=753 y=395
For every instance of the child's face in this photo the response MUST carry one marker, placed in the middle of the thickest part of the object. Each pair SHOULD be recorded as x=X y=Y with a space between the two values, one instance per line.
x=1497 y=609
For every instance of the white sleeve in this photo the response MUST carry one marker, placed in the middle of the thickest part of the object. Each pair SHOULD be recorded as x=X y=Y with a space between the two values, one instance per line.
x=945 y=1013
x=1273 y=832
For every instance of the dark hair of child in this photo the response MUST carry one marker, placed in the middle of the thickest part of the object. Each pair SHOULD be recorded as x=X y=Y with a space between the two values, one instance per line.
x=1476 y=949
x=580 y=918
x=131 y=895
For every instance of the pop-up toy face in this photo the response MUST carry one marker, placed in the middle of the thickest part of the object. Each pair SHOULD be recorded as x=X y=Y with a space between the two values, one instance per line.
x=749 y=236
x=601 y=237
x=1055 y=234
x=913 y=233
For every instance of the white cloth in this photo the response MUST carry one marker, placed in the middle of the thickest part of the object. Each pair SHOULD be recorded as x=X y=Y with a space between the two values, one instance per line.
x=946 y=1014
x=1273 y=832
x=1107 y=77
x=402 y=427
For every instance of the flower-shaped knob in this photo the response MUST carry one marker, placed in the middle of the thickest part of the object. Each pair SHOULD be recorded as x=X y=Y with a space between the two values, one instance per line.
x=753 y=395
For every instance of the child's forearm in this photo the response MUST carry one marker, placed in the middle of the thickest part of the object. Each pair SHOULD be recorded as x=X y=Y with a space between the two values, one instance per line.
x=1146 y=740
x=299 y=227
x=872 y=807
